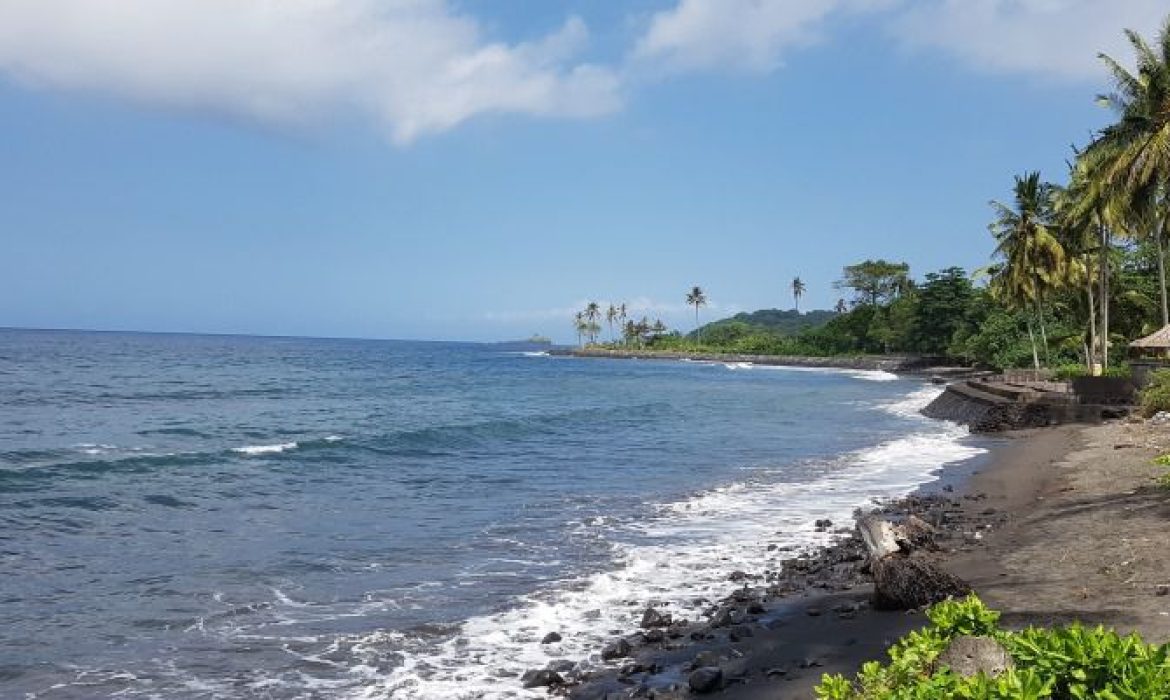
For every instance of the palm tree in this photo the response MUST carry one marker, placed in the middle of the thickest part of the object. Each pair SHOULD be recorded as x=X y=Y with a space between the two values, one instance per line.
x=579 y=324
x=611 y=315
x=621 y=317
x=1032 y=259
x=797 y=292
x=592 y=314
x=1133 y=155
x=696 y=298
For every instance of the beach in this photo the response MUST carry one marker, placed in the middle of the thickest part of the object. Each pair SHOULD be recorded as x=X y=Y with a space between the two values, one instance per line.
x=1057 y=525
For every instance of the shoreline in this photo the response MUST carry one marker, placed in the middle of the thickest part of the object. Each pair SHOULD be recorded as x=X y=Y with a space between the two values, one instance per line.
x=1004 y=523
x=897 y=364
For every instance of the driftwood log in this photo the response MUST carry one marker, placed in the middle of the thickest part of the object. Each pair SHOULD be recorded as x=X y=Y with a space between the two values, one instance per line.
x=900 y=580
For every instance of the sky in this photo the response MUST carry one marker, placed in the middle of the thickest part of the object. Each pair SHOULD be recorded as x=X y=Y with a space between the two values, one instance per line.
x=478 y=170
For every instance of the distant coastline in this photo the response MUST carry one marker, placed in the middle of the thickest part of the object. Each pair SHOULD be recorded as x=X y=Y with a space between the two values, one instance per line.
x=898 y=364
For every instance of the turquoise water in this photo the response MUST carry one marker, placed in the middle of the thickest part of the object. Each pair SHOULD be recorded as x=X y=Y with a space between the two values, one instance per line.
x=219 y=516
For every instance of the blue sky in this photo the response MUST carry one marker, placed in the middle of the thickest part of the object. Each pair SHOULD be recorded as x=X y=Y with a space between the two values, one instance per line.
x=477 y=170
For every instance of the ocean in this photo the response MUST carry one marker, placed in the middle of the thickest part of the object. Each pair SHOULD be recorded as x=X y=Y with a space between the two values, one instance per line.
x=189 y=516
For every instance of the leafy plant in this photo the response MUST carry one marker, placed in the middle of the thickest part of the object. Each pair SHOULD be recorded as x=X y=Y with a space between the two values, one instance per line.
x=1156 y=396
x=1071 y=662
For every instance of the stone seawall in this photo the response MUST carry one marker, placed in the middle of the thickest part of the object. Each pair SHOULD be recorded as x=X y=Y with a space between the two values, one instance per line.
x=985 y=412
x=989 y=408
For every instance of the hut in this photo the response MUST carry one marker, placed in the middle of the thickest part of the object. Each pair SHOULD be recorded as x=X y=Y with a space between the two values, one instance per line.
x=1149 y=353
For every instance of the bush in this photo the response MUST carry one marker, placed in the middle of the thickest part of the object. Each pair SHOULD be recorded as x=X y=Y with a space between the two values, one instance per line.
x=1156 y=396
x=1067 y=662
x=1072 y=371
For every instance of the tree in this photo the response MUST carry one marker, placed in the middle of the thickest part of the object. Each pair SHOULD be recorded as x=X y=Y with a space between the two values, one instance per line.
x=841 y=307
x=580 y=325
x=1134 y=154
x=1031 y=259
x=696 y=298
x=797 y=291
x=611 y=315
x=875 y=281
x=943 y=302
x=592 y=314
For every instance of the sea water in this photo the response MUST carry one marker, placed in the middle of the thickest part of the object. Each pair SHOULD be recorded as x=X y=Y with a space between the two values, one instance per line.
x=235 y=517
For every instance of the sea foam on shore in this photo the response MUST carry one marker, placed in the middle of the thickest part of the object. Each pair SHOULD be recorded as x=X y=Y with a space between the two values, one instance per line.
x=679 y=560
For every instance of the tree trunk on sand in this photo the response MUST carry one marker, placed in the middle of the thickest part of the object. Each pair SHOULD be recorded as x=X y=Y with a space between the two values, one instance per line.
x=902 y=581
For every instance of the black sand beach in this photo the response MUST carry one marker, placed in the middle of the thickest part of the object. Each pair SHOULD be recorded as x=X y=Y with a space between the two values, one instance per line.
x=1035 y=530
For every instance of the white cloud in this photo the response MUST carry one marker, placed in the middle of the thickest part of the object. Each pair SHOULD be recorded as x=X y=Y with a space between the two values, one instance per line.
x=419 y=67
x=1057 y=38
x=415 y=66
x=737 y=35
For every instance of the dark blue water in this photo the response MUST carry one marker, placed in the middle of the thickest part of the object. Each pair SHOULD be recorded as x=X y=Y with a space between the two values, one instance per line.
x=204 y=516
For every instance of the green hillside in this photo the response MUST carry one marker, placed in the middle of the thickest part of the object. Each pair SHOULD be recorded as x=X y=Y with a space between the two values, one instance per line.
x=774 y=321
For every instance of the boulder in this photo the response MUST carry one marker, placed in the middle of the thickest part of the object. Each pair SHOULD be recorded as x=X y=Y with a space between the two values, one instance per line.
x=707 y=679
x=652 y=618
x=968 y=656
x=540 y=678
x=551 y=638
x=618 y=650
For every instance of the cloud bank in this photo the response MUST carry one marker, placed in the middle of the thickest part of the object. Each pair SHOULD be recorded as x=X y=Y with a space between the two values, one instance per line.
x=1052 y=38
x=420 y=67
x=415 y=66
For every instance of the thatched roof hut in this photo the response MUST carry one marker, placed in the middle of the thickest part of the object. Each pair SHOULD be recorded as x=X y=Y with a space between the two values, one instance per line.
x=1157 y=344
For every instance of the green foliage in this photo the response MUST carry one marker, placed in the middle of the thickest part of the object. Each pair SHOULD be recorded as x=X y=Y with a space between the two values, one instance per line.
x=773 y=321
x=943 y=309
x=1164 y=478
x=1072 y=371
x=1156 y=396
x=876 y=281
x=967 y=616
x=1068 y=662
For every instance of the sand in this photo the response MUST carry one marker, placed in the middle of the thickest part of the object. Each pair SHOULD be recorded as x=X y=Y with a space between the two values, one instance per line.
x=1060 y=524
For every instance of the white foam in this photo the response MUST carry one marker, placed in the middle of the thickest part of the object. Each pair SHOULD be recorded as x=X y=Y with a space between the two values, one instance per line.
x=682 y=553
x=534 y=353
x=738 y=365
x=252 y=450
x=873 y=375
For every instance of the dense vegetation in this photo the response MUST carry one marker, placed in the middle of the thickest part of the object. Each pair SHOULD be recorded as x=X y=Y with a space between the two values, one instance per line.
x=775 y=321
x=1065 y=662
x=1077 y=269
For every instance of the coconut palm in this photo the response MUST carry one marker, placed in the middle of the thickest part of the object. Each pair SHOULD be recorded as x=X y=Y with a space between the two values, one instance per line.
x=1133 y=155
x=797 y=292
x=580 y=325
x=611 y=315
x=592 y=314
x=621 y=317
x=696 y=298
x=1032 y=261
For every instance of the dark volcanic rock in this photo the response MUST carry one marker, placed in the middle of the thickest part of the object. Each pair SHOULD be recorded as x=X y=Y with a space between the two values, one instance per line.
x=541 y=678
x=707 y=679
x=653 y=618
x=551 y=638
x=619 y=649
